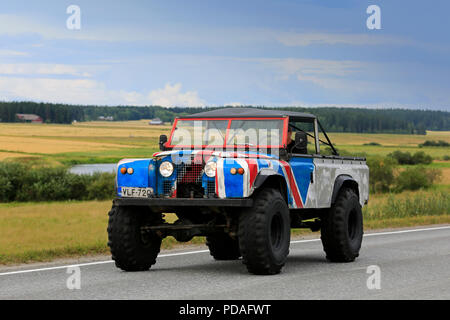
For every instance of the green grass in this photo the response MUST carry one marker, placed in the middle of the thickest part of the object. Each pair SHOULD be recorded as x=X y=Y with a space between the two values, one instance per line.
x=430 y=203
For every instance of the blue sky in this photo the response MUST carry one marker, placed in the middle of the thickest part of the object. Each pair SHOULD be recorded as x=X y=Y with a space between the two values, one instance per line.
x=197 y=53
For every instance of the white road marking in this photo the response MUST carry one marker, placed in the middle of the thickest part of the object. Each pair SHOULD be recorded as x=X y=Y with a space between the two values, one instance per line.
x=204 y=251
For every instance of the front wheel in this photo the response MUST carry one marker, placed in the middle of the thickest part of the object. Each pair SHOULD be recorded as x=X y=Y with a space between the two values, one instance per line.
x=131 y=249
x=264 y=233
x=342 y=228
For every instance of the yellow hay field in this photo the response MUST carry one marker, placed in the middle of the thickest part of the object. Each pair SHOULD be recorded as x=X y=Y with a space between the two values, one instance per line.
x=49 y=146
x=7 y=155
x=89 y=129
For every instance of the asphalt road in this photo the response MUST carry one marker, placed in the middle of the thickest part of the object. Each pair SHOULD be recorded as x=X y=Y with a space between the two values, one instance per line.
x=413 y=264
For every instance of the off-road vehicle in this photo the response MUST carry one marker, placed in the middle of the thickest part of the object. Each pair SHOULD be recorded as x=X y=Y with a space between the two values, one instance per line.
x=237 y=177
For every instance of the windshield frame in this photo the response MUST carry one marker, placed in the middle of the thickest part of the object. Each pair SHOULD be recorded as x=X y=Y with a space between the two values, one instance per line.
x=225 y=146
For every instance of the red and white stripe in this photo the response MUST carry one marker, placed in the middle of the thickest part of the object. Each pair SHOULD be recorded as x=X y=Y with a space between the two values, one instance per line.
x=287 y=171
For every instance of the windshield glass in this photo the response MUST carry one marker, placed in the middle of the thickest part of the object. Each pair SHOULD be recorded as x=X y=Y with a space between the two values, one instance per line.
x=215 y=133
x=256 y=132
x=199 y=133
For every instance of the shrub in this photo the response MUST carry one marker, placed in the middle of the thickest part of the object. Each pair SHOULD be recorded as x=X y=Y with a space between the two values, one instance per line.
x=23 y=183
x=372 y=144
x=432 y=143
x=446 y=158
x=381 y=173
x=101 y=187
x=419 y=157
x=416 y=178
x=401 y=157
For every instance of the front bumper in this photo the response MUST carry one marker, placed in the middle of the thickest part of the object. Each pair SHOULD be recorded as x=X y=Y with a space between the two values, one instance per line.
x=183 y=202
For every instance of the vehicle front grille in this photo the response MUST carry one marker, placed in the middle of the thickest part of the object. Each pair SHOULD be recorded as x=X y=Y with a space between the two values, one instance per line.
x=189 y=173
x=211 y=188
x=167 y=187
x=189 y=180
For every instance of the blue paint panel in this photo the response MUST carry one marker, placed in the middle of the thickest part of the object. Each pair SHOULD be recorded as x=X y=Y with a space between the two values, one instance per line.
x=140 y=178
x=302 y=168
x=234 y=183
x=262 y=163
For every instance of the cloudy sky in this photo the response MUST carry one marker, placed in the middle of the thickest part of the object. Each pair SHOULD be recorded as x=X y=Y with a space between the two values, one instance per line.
x=196 y=53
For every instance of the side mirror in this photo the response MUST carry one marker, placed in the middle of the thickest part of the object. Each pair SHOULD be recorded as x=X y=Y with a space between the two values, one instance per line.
x=301 y=141
x=162 y=141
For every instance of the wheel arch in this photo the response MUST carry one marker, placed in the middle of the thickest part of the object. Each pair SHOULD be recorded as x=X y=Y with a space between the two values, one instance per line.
x=344 y=181
x=271 y=179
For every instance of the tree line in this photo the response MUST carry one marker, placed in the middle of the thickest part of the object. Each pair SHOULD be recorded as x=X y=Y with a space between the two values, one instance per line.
x=333 y=119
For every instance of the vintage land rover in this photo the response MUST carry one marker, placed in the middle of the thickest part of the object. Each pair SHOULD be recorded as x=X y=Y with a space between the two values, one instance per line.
x=241 y=177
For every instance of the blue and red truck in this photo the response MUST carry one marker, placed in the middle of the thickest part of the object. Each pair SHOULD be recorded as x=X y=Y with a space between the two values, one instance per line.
x=242 y=178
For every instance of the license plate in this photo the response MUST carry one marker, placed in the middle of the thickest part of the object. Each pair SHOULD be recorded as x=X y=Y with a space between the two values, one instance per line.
x=132 y=192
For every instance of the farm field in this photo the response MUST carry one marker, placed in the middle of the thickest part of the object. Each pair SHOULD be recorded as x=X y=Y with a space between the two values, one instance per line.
x=108 y=142
x=90 y=142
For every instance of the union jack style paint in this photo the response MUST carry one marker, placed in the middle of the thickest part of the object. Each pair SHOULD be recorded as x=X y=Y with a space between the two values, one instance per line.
x=305 y=177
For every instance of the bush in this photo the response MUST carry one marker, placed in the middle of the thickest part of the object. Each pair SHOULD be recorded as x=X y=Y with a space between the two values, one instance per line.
x=432 y=143
x=419 y=157
x=372 y=144
x=446 y=158
x=23 y=183
x=416 y=178
x=381 y=173
x=401 y=157
x=101 y=187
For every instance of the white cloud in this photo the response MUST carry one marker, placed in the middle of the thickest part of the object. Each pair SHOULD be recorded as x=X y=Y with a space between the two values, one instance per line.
x=52 y=90
x=88 y=91
x=171 y=96
x=234 y=104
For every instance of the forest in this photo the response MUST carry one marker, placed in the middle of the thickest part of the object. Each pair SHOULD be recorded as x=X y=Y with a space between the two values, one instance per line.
x=359 y=120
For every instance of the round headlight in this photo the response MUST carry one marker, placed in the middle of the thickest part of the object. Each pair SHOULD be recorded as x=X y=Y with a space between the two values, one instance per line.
x=210 y=169
x=166 y=169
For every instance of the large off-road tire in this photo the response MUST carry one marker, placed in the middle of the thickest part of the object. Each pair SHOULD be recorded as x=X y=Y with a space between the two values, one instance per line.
x=342 y=228
x=264 y=233
x=223 y=247
x=130 y=249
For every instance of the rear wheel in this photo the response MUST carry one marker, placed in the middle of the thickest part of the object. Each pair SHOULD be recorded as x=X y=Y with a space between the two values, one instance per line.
x=131 y=249
x=264 y=233
x=223 y=247
x=342 y=228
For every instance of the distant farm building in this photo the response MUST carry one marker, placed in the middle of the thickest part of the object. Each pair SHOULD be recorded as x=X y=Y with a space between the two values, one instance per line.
x=103 y=118
x=155 y=121
x=33 y=118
